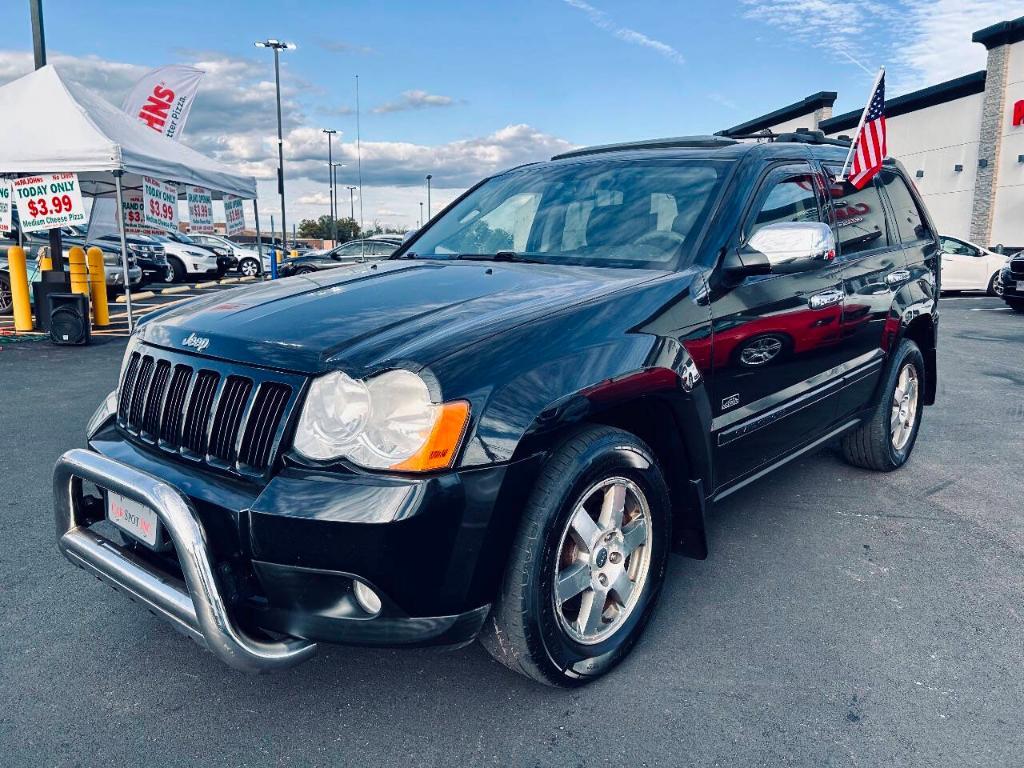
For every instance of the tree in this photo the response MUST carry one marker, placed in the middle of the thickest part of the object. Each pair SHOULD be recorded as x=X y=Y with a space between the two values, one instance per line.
x=321 y=229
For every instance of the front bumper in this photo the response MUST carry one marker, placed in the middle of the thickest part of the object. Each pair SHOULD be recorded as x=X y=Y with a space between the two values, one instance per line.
x=283 y=558
x=115 y=276
x=197 y=605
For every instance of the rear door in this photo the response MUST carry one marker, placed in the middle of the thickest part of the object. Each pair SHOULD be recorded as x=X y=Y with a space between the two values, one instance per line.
x=774 y=341
x=963 y=267
x=874 y=268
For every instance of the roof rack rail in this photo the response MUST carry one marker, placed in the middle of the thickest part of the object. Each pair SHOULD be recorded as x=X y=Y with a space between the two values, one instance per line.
x=694 y=142
x=799 y=136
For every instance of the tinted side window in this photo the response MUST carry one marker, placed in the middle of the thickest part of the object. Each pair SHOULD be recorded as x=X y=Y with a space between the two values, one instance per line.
x=792 y=198
x=859 y=216
x=909 y=221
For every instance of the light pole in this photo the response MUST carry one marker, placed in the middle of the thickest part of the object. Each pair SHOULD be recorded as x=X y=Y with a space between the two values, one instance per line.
x=277 y=46
x=429 y=177
x=421 y=216
x=352 y=203
x=330 y=182
x=334 y=181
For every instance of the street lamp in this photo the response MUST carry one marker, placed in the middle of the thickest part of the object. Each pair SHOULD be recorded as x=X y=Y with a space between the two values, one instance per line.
x=330 y=181
x=429 y=177
x=277 y=46
x=421 y=216
x=352 y=203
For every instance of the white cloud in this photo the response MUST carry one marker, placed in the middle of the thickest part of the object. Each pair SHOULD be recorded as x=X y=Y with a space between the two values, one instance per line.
x=938 y=45
x=921 y=42
x=415 y=100
x=602 y=20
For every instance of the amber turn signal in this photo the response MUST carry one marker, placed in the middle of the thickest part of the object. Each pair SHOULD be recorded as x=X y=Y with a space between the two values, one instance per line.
x=442 y=445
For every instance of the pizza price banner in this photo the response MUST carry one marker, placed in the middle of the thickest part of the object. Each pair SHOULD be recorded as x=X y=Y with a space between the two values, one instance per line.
x=200 y=209
x=159 y=204
x=5 y=205
x=234 y=216
x=132 y=214
x=48 y=201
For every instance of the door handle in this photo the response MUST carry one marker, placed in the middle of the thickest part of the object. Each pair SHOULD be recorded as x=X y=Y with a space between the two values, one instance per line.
x=825 y=298
x=898 y=276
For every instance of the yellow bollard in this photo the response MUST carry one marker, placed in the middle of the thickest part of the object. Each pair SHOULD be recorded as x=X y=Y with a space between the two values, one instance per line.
x=76 y=262
x=43 y=259
x=19 y=288
x=294 y=254
x=98 y=288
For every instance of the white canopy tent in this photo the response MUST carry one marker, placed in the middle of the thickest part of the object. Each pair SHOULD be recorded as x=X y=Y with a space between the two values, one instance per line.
x=52 y=125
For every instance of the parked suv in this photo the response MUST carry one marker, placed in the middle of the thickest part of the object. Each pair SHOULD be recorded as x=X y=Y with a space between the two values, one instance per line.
x=1012 y=280
x=503 y=430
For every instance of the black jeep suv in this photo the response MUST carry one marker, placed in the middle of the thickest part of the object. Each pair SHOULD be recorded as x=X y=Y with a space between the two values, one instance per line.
x=503 y=430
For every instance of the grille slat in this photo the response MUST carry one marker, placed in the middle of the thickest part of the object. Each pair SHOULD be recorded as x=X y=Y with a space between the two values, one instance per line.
x=266 y=417
x=128 y=388
x=229 y=415
x=197 y=418
x=174 y=407
x=221 y=418
x=155 y=399
x=140 y=390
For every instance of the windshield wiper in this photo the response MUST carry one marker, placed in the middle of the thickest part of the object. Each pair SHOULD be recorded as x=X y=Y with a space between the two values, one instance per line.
x=521 y=258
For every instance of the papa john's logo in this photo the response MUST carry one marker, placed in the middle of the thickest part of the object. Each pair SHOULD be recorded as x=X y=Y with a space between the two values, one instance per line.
x=198 y=343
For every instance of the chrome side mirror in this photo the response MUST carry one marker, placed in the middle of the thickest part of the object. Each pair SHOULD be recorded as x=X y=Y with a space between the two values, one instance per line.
x=793 y=246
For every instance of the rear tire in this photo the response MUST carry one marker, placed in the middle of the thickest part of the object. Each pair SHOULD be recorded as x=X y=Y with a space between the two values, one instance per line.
x=995 y=288
x=556 y=636
x=885 y=441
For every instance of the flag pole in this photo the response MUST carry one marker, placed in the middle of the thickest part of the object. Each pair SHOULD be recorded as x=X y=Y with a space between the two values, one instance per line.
x=860 y=125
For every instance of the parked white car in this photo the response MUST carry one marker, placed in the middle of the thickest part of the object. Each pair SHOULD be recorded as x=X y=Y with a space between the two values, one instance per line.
x=969 y=267
x=189 y=260
x=248 y=259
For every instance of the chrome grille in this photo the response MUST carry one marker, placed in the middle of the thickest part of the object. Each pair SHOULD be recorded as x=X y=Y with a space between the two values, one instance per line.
x=1017 y=267
x=221 y=418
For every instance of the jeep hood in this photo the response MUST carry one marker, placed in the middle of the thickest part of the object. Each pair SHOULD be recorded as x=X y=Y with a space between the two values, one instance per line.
x=372 y=316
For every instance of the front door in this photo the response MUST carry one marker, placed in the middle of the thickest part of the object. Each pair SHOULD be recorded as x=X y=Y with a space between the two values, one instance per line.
x=774 y=341
x=874 y=269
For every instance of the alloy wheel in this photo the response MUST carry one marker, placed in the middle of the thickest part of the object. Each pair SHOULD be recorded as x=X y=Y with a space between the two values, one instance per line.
x=904 y=407
x=6 y=297
x=761 y=351
x=249 y=268
x=603 y=560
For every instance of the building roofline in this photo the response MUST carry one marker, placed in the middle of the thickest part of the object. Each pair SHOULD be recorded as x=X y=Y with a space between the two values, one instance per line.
x=1001 y=33
x=803 y=107
x=958 y=88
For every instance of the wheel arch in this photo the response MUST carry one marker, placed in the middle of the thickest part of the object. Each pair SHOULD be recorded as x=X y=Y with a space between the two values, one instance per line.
x=922 y=331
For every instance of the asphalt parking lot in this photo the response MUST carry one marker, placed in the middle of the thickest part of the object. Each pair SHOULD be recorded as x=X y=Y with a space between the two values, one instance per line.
x=842 y=618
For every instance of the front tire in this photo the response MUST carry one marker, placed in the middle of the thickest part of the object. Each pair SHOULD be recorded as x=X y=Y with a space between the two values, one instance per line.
x=886 y=440
x=178 y=269
x=587 y=563
x=6 y=297
x=1017 y=305
x=249 y=267
x=995 y=288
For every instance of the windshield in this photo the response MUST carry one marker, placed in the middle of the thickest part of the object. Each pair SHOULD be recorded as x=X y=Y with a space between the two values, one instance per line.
x=616 y=213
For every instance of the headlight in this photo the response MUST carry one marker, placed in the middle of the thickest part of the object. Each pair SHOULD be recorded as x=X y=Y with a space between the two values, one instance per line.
x=387 y=422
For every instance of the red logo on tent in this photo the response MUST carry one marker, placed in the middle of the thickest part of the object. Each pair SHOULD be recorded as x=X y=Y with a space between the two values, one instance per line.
x=155 y=111
x=1018 y=113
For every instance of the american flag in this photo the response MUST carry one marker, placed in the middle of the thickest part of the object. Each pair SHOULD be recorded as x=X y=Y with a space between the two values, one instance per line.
x=869 y=149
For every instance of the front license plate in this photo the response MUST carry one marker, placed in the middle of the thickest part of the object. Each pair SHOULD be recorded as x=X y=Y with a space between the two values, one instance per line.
x=138 y=520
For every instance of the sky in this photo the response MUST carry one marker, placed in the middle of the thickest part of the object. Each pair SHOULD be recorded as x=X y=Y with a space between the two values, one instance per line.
x=462 y=90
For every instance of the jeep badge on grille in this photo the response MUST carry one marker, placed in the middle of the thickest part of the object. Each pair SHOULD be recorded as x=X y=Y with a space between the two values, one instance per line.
x=198 y=343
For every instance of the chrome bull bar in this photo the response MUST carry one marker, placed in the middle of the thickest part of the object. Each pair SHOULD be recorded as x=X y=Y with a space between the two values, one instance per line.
x=195 y=606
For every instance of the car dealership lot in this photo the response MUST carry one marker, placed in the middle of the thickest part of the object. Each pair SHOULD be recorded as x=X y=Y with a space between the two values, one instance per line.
x=842 y=618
